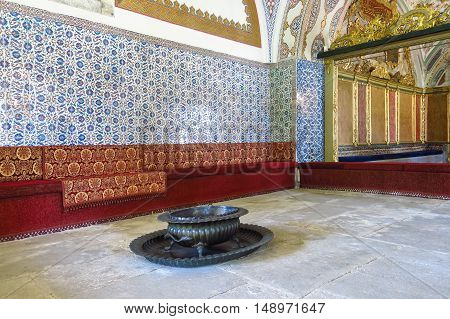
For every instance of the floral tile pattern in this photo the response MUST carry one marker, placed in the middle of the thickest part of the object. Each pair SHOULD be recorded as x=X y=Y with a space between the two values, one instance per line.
x=310 y=111
x=282 y=97
x=63 y=84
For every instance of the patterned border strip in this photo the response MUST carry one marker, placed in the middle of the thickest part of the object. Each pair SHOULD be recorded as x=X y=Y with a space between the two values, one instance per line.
x=113 y=201
x=376 y=149
x=99 y=27
x=374 y=191
x=118 y=218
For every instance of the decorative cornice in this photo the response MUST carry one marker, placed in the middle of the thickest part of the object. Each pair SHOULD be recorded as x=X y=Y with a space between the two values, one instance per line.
x=173 y=12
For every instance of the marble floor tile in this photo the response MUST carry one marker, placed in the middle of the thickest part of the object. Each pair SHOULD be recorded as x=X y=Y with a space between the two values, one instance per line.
x=326 y=245
x=169 y=282
x=377 y=279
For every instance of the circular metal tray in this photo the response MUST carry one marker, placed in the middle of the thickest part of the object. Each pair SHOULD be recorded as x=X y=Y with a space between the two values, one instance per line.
x=202 y=214
x=151 y=246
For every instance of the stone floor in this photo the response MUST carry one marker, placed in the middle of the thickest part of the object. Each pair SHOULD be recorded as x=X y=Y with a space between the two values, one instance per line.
x=326 y=245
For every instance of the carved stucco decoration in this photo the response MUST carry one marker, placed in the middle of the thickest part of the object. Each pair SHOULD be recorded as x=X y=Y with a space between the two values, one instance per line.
x=395 y=65
x=387 y=23
x=295 y=41
x=174 y=12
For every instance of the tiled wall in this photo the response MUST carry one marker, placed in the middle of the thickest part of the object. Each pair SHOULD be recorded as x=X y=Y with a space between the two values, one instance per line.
x=310 y=116
x=282 y=101
x=64 y=81
x=70 y=83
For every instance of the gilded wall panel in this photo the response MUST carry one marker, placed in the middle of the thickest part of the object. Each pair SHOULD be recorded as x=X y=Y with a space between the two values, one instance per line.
x=378 y=115
x=418 y=117
x=437 y=124
x=345 y=112
x=362 y=113
x=392 y=100
x=406 y=117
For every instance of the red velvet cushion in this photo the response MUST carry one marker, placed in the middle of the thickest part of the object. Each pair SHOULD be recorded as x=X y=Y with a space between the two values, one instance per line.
x=214 y=170
x=278 y=165
x=182 y=173
x=170 y=157
x=247 y=168
x=427 y=167
x=28 y=188
x=102 y=190
x=322 y=165
x=387 y=166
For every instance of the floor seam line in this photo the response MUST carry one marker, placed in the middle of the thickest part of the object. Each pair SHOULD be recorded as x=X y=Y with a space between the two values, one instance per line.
x=350 y=271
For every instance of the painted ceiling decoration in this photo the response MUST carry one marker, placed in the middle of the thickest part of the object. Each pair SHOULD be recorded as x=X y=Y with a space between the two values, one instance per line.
x=308 y=22
x=436 y=65
x=271 y=6
x=105 y=7
x=309 y=26
x=237 y=21
x=291 y=26
x=271 y=9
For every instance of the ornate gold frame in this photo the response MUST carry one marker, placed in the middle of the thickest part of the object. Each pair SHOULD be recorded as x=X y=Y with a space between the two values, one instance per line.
x=386 y=115
x=414 y=118
x=397 y=116
x=355 y=103
x=423 y=122
x=420 y=18
x=171 y=11
x=368 y=114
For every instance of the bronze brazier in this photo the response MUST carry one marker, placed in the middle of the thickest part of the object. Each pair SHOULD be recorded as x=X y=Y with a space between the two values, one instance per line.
x=202 y=226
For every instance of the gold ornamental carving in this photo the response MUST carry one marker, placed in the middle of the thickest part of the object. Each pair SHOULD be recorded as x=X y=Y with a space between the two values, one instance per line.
x=420 y=18
x=335 y=116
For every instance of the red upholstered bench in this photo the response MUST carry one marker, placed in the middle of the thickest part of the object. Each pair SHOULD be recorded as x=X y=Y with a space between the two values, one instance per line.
x=415 y=179
x=232 y=169
x=29 y=188
x=427 y=167
x=102 y=190
x=20 y=163
x=21 y=173
x=46 y=189
x=209 y=172
x=100 y=175
x=170 y=157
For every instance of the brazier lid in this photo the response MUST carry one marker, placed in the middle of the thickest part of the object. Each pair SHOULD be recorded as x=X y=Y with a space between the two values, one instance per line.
x=202 y=214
